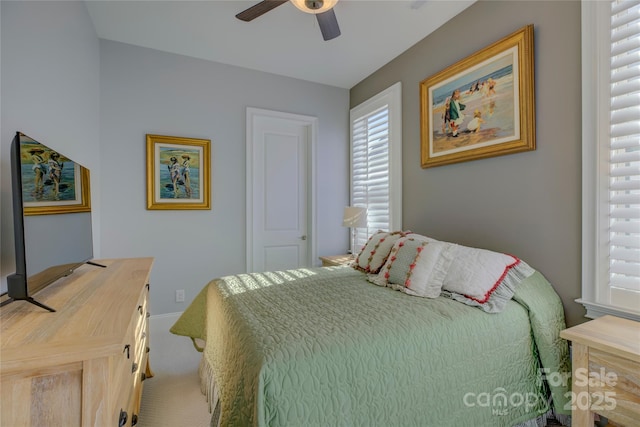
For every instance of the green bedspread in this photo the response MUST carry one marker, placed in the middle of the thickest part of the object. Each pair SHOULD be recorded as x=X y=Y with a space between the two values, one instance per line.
x=324 y=347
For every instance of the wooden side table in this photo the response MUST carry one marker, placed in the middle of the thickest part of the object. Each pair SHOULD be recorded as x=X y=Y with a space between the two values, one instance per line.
x=336 y=260
x=606 y=371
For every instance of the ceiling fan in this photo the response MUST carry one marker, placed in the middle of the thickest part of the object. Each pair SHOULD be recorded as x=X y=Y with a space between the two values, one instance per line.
x=323 y=9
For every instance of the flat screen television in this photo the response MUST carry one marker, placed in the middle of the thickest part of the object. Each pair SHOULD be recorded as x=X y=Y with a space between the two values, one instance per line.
x=51 y=216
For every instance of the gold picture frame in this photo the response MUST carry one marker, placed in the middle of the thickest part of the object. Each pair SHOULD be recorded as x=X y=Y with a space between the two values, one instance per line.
x=178 y=173
x=481 y=106
x=51 y=182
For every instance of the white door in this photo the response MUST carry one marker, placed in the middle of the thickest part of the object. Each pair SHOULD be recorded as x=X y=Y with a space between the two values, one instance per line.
x=279 y=149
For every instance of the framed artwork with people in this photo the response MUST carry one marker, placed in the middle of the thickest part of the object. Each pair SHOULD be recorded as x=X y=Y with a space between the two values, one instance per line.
x=481 y=106
x=51 y=182
x=178 y=173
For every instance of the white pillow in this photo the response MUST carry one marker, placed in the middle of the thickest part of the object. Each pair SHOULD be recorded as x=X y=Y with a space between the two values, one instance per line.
x=416 y=266
x=484 y=278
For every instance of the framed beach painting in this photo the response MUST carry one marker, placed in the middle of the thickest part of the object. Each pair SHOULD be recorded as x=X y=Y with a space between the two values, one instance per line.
x=482 y=106
x=178 y=173
x=51 y=182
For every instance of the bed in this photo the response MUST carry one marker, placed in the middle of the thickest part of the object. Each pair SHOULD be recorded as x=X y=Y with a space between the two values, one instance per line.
x=330 y=346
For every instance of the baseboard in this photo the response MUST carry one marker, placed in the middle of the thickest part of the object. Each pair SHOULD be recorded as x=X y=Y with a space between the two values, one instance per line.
x=165 y=317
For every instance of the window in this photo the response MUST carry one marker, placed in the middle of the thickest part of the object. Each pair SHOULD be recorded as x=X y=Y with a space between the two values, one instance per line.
x=611 y=158
x=376 y=163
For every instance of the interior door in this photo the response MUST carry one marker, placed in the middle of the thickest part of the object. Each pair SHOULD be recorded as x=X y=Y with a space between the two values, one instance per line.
x=278 y=236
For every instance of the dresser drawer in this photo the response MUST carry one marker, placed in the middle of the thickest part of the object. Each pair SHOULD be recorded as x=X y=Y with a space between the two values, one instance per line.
x=122 y=381
x=141 y=325
x=131 y=364
x=141 y=376
x=614 y=387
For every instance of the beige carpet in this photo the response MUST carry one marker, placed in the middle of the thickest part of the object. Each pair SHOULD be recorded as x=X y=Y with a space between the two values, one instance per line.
x=172 y=397
x=173 y=400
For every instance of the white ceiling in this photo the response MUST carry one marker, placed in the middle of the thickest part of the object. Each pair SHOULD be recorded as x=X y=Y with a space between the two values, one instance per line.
x=284 y=41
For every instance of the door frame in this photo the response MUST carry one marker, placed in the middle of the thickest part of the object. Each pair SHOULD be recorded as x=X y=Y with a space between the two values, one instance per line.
x=312 y=126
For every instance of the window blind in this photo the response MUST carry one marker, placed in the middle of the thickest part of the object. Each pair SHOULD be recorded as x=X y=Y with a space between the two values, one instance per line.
x=624 y=151
x=376 y=162
x=370 y=171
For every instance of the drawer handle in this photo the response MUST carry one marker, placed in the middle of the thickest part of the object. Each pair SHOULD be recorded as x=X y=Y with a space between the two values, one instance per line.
x=140 y=309
x=148 y=349
x=127 y=348
x=147 y=285
x=143 y=376
x=148 y=314
x=134 y=419
x=123 y=418
x=134 y=367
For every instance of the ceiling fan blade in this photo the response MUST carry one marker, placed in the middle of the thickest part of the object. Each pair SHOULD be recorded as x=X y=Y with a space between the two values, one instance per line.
x=328 y=24
x=259 y=9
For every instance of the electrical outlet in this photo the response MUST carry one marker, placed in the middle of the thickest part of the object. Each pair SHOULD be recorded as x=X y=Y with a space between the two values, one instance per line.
x=180 y=295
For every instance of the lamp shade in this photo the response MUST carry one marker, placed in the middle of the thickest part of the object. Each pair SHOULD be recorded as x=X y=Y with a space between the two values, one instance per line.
x=314 y=6
x=355 y=217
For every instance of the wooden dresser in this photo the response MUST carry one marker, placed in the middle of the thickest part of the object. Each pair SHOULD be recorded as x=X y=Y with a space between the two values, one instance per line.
x=85 y=364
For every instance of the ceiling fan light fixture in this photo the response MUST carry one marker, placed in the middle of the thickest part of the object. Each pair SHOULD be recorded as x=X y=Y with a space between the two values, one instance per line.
x=314 y=6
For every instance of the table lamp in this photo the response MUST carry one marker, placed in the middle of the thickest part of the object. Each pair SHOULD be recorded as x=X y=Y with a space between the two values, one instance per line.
x=354 y=217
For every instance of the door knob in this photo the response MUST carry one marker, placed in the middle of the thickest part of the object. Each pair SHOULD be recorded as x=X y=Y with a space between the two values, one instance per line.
x=303 y=237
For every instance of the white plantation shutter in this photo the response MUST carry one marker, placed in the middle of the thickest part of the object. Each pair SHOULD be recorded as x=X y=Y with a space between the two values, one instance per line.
x=375 y=162
x=624 y=148
x=371 y=167
x=611 y=158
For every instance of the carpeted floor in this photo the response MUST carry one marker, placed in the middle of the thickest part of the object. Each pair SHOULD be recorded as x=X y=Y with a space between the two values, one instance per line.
x=173 y=400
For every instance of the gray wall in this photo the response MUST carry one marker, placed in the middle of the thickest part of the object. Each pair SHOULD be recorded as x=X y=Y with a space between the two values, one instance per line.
x=148 y=91
x=50 y=91
x=527 y=204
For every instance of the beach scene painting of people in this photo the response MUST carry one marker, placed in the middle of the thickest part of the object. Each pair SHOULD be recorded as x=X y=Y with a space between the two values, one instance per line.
x=51 y=182
x=177 y=173
x=478 y=107
x=179 y=178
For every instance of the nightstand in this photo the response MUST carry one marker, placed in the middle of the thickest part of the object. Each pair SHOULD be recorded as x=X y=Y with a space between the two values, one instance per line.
x=336 y=260
x=606 y=371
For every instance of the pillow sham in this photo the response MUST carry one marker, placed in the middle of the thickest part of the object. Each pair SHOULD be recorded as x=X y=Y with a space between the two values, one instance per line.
x=484 y=278
x=417 y=266
x=375 y=252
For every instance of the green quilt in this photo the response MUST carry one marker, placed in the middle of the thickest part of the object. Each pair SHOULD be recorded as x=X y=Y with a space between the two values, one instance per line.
x=324 y=347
